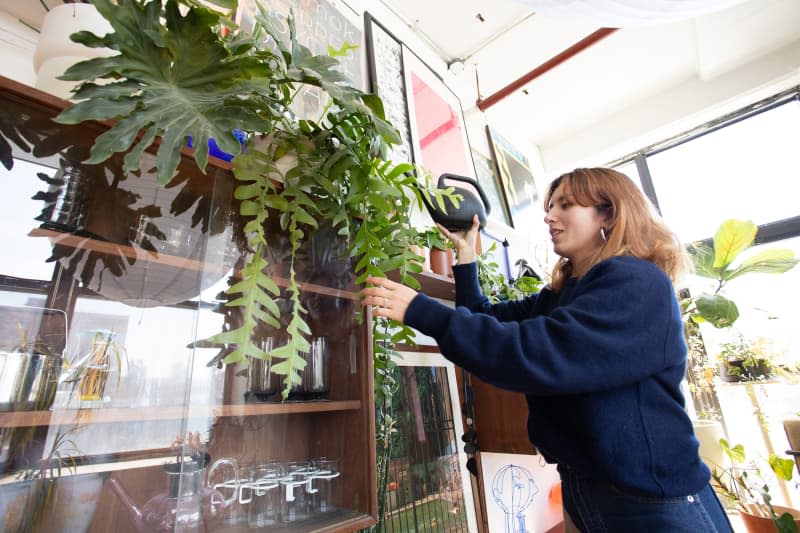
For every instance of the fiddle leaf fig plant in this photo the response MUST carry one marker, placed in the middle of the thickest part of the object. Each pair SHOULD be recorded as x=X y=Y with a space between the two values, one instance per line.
x=179 y=74
x=723 y=263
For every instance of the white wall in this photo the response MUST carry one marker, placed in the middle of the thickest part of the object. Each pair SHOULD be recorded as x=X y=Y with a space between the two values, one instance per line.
x=17 y=43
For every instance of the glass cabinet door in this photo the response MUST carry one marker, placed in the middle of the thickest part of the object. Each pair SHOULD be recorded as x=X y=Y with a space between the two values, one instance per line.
x=116 y=413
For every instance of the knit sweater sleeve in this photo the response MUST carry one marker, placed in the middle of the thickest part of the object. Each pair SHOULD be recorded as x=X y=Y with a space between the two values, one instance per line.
x=621 y=325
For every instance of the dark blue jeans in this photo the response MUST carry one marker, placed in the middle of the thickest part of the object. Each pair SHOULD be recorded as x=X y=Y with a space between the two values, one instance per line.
x=598 y=508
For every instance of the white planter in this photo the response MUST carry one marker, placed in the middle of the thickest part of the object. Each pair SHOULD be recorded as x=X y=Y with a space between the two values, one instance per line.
x=55 y=52
x=708 y=432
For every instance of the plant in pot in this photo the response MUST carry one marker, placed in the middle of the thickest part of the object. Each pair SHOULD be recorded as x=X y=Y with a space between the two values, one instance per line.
x=744 y=486
x=496 y=286
x=440 y=250
x=744 y=360
x=721 y=262
x=182 y=73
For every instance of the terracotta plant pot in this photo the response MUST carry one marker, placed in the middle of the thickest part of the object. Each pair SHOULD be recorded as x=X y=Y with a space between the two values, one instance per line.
x=442 y=261
x=763 y=524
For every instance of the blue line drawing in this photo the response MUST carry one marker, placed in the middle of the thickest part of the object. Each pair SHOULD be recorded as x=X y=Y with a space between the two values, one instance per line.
x=513 y=488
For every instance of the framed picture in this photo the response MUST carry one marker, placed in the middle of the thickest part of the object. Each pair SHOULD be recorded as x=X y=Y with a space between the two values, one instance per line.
x=385 y=67
x=320 y=25
x=519 y=186
x=521 y=493
x=438 y=133
x=489 y=182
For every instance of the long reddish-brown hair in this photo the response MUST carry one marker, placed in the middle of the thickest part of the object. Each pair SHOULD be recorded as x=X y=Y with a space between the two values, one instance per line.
x=634 y=228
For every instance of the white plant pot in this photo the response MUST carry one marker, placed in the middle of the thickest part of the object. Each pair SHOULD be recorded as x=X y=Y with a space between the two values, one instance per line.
x=708 y=432
x=55 y=52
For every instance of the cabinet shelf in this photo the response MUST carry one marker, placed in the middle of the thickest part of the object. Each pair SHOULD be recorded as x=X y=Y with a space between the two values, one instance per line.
x=126 y=414
x=337 y=520
x=433 y=285
x=95 y=245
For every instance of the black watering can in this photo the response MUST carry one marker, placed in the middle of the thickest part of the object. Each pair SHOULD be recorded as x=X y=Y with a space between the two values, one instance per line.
x=459 y=218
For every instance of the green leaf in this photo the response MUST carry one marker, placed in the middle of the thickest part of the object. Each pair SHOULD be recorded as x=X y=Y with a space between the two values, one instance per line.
x=717 y=310
x=703 y=259
x=775 y=261
x=783 y=468
x=732 y=238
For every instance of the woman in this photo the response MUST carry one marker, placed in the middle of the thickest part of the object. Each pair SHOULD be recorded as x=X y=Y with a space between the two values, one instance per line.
x=600 y=354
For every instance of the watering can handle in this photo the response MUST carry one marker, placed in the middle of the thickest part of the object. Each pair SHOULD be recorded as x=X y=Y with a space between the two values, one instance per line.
x=220 y=462
x=442 y=185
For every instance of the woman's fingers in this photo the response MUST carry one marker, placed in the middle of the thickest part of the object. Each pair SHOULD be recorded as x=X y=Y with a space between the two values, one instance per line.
x=388 y=298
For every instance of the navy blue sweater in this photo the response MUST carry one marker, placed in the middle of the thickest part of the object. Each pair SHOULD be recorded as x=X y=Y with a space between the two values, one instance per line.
x=600 y=364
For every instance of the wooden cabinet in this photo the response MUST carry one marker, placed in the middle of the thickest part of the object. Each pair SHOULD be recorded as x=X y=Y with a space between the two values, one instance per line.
x=117 y=252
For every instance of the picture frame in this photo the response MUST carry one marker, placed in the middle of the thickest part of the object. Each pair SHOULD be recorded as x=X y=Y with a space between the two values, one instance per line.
x=438 y=132
x=521 y=493
x=384 y=56
x=490 y=183
x=320 y=24
x=518 y=183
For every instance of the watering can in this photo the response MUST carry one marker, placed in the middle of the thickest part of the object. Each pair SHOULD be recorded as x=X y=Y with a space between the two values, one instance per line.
x=187 y=504
x=459 y=218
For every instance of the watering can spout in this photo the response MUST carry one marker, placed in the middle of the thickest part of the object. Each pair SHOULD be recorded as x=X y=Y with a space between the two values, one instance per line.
x=127 y=501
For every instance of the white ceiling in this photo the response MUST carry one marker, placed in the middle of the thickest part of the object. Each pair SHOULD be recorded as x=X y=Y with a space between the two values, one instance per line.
x=622 y=90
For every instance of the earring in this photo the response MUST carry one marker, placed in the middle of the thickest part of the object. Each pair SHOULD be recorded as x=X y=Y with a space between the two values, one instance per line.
x=603 y=234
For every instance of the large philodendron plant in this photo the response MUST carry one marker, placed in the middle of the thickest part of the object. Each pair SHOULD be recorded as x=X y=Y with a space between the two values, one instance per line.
x=180 y=73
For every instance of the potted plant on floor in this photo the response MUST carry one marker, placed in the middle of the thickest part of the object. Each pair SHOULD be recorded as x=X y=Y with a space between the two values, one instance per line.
x=747 y=490
x=183 y=73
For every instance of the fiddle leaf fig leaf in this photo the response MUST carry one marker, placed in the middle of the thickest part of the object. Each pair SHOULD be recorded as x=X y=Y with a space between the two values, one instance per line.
x=717 y=310
x=775 y=261
x=703 y=259
x=732 y=238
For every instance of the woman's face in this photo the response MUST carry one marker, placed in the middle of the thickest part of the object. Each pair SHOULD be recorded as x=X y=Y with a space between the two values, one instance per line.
x=574 y=229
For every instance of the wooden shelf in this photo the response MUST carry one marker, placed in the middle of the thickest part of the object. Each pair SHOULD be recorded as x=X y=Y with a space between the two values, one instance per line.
x=129 y=414
x=77 y=241
x=336 y=520
x=433 y=285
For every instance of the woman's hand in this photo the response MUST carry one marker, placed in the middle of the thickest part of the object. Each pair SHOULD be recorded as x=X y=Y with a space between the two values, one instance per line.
x=388 y=298
x=464 y=241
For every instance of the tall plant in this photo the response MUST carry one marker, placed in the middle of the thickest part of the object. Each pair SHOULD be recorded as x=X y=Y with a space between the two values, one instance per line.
x=179 y=74
x=723 y=261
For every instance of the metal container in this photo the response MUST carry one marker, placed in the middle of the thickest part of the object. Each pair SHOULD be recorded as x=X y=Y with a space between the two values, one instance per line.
x=28 y=381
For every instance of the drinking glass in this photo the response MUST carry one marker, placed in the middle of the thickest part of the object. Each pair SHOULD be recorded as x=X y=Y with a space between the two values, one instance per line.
x=322 y=485
x=264 y=494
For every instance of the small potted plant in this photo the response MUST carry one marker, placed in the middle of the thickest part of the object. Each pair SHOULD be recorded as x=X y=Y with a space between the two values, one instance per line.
x=744 y=487
x=743 y=360
x=440 y=250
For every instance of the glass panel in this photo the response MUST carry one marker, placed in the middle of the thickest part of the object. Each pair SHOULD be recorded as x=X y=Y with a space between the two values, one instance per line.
x=424 y=491
x=741 y=171
x=20 y=210
x=145 y=416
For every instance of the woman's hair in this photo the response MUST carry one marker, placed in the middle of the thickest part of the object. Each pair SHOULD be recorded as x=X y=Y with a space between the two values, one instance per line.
x=634 y=227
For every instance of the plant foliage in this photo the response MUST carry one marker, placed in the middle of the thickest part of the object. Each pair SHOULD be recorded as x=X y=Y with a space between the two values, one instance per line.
x=178 y=75
x=720 y=264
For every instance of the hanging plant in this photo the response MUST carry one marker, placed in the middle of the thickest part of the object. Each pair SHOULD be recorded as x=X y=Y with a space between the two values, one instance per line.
x=178 y=75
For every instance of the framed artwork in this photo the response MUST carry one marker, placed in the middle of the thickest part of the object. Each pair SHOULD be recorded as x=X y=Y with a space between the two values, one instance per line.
x=438 y=133
x=385 y=67
x=521 y=493
x=320 y=24
x=489 y=182
x=519 y=186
